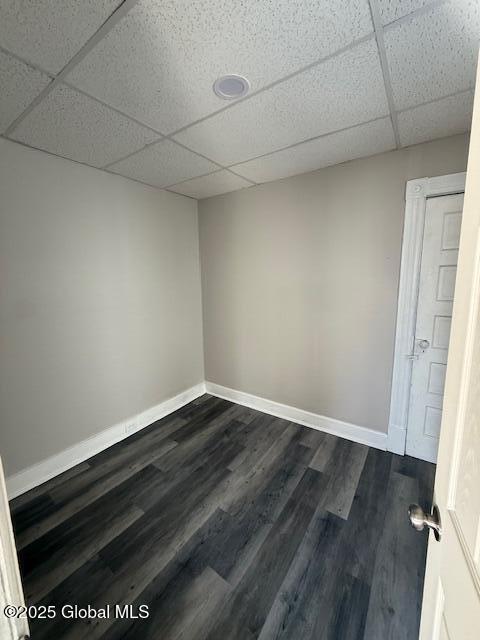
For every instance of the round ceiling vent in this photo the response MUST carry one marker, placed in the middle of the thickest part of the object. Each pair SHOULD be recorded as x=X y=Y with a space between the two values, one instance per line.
x=231 y=87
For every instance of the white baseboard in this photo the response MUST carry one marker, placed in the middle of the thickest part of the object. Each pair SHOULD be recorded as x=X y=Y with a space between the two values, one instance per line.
x=46 y=469
x=346 y=430
x=396 y=439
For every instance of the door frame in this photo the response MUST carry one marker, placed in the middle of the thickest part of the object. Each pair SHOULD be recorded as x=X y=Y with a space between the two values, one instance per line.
x=416 y=194
x=11 y=591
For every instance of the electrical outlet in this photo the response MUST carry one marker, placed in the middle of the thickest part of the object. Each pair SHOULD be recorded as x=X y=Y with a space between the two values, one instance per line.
x=130 y=428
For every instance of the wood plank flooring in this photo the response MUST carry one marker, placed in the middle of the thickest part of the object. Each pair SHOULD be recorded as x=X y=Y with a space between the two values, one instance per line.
x=229 y=524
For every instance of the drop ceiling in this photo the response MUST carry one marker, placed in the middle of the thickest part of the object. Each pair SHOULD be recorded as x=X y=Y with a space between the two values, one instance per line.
x=127 y=86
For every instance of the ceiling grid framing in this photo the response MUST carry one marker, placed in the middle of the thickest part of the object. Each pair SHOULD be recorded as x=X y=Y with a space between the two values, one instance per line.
x=121 y=11
x=100 y=33
x=377 y=25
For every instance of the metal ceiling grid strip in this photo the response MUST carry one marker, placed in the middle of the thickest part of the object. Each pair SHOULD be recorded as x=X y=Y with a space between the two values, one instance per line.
x=377 y=23
x=101 y=32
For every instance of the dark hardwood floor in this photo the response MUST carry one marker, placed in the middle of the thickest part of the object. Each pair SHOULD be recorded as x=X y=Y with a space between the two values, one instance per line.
x=229 y=524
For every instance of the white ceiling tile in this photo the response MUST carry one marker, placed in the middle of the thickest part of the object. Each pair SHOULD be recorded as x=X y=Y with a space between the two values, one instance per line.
x=20 y=84
x=343 y=91
x=160 y=61
x=434 y=53
x=360 y=141
x=49 y=33
x=391 y=10
x=211 y=185
x=163 y=164
x=436 y=120
x=72 y=125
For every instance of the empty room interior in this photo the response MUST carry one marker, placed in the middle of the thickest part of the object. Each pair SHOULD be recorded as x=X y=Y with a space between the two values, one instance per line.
x=239 y=320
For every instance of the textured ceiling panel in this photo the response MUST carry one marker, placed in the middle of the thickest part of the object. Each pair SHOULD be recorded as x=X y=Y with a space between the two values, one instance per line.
x=48 y=33
x=20 y=84
x=160 y=61
x=341 y=92
x=313 y=85
x=163 y=164
x=364 y=140
x=212 y=185
x=436 y=120
x=69 y=124
x=391 y=10
x=435 y=53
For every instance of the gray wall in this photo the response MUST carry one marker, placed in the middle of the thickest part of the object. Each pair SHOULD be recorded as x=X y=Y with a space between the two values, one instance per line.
x=100 y=302
x=300 y=280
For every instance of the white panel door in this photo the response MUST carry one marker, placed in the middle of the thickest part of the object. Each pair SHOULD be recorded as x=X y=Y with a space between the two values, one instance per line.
x=11 y=592
x=451 y=602
x=441 y=239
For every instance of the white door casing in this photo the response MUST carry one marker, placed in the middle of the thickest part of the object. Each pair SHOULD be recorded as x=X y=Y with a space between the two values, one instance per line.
x=451 y=602
x=11 y=592
x=438 y=270
x=418 y=192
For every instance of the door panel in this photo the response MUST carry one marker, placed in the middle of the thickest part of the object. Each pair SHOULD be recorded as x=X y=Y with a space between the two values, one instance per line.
x=441 y=332
x=454 y=562
x=438 y=270
x=465 y=489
